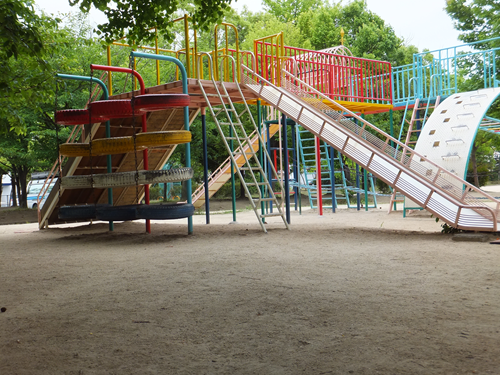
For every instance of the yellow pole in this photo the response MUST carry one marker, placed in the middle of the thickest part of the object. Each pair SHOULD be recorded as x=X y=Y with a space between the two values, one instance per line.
x=216 y=53
x=226 y=60
x=157 y=61
x=186 y=35
x=110 y=77
x=195 y=54
x=342 y=36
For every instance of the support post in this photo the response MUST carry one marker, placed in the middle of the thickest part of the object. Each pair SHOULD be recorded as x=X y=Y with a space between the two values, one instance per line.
x=319 y=191
x=205 y=165
x=233 y=182
x=261 y=157
x=286 y=193
x=332 y=178
x=358 y=198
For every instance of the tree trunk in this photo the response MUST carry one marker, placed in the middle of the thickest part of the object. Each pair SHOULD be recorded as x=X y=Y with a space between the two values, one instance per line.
x=22 y=175
x=1 y=189
x=474 y=165
x=14 y=190
x=242 y=187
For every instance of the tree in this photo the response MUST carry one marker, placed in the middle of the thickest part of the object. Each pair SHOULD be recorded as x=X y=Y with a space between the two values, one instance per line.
x=19 y=26
x=366 y=34
x=135 y=19
x=477 y=19
x=290 y=10
x=28 y=140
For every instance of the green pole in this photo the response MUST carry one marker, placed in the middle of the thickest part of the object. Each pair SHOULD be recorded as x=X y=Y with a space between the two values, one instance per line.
x=105 y=91
x=261 y=156
x=233 y=182
x=365 y=178
x=186 y=118
x=391 y=123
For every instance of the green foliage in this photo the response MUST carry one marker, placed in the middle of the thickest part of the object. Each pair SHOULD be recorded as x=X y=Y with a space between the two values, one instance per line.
x=290 y=10
x=366 y=34
x=19 y=29
x=477 y=19
x=138 y=17
x=268 y=24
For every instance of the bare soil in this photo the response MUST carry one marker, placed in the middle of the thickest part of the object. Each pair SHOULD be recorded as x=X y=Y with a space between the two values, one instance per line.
x=345 y=293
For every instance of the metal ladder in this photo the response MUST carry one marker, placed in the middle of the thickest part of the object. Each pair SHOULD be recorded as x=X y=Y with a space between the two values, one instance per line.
x=415 y=126
x=307 y=152
x=227 y=117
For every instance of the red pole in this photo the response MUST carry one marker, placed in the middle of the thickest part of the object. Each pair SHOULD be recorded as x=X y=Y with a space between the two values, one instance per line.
x=318 y=176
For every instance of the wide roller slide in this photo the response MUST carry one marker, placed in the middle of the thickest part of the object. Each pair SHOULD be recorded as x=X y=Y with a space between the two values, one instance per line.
x=426 y=183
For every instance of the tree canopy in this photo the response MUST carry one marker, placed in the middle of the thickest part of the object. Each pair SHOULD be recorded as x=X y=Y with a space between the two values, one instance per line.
x=135 y=19
x=477 y=19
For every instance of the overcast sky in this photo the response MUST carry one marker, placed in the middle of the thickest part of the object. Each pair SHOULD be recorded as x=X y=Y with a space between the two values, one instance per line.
x=423 y=23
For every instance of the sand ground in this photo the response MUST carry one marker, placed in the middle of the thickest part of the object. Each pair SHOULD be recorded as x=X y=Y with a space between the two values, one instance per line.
x=345 y=293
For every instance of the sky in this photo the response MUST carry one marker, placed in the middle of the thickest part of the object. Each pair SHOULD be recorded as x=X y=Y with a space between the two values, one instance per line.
x=423 y=23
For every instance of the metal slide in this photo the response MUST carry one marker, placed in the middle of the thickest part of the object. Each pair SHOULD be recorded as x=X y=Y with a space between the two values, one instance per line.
x=429 y=185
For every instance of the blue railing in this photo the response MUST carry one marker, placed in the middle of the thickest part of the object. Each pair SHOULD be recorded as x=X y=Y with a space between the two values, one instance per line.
x=439 y=72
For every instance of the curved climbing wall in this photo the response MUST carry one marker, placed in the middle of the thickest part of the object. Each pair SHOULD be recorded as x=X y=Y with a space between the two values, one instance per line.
x=449 y=133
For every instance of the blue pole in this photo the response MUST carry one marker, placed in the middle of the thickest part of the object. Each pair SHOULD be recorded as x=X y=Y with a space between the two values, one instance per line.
x=105 y=91
x=286 y=167
x=186 y=118
x=332 y=178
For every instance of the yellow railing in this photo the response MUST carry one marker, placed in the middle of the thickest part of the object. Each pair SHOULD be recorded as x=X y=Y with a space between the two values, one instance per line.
x=191 y=57
x=226 y=49
x=270 y=53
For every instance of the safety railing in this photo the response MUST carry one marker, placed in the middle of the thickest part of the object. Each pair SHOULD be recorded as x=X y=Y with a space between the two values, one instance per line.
x=339 y=77
x=447 y=64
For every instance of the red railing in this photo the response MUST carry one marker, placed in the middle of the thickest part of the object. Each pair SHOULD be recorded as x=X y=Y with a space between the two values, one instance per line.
x=340 y=77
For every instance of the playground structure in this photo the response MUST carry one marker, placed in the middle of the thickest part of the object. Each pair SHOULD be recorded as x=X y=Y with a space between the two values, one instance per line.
x=321 y=91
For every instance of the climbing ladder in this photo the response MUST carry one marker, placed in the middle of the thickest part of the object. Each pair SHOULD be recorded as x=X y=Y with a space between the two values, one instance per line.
x=421 y=112
x=342 y=184
x=231 y=128
x=307 y=156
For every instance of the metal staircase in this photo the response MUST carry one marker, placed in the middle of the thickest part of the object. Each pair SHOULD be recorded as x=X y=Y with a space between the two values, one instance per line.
x=244 y=157
x=431 y=186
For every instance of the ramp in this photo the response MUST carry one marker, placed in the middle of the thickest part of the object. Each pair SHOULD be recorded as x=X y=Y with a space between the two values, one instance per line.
x=429 y=185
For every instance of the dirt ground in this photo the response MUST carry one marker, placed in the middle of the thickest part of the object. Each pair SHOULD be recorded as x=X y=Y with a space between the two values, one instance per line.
x=345 y=293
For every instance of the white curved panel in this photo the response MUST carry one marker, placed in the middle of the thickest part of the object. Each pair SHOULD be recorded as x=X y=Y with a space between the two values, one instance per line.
x=449 y=133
